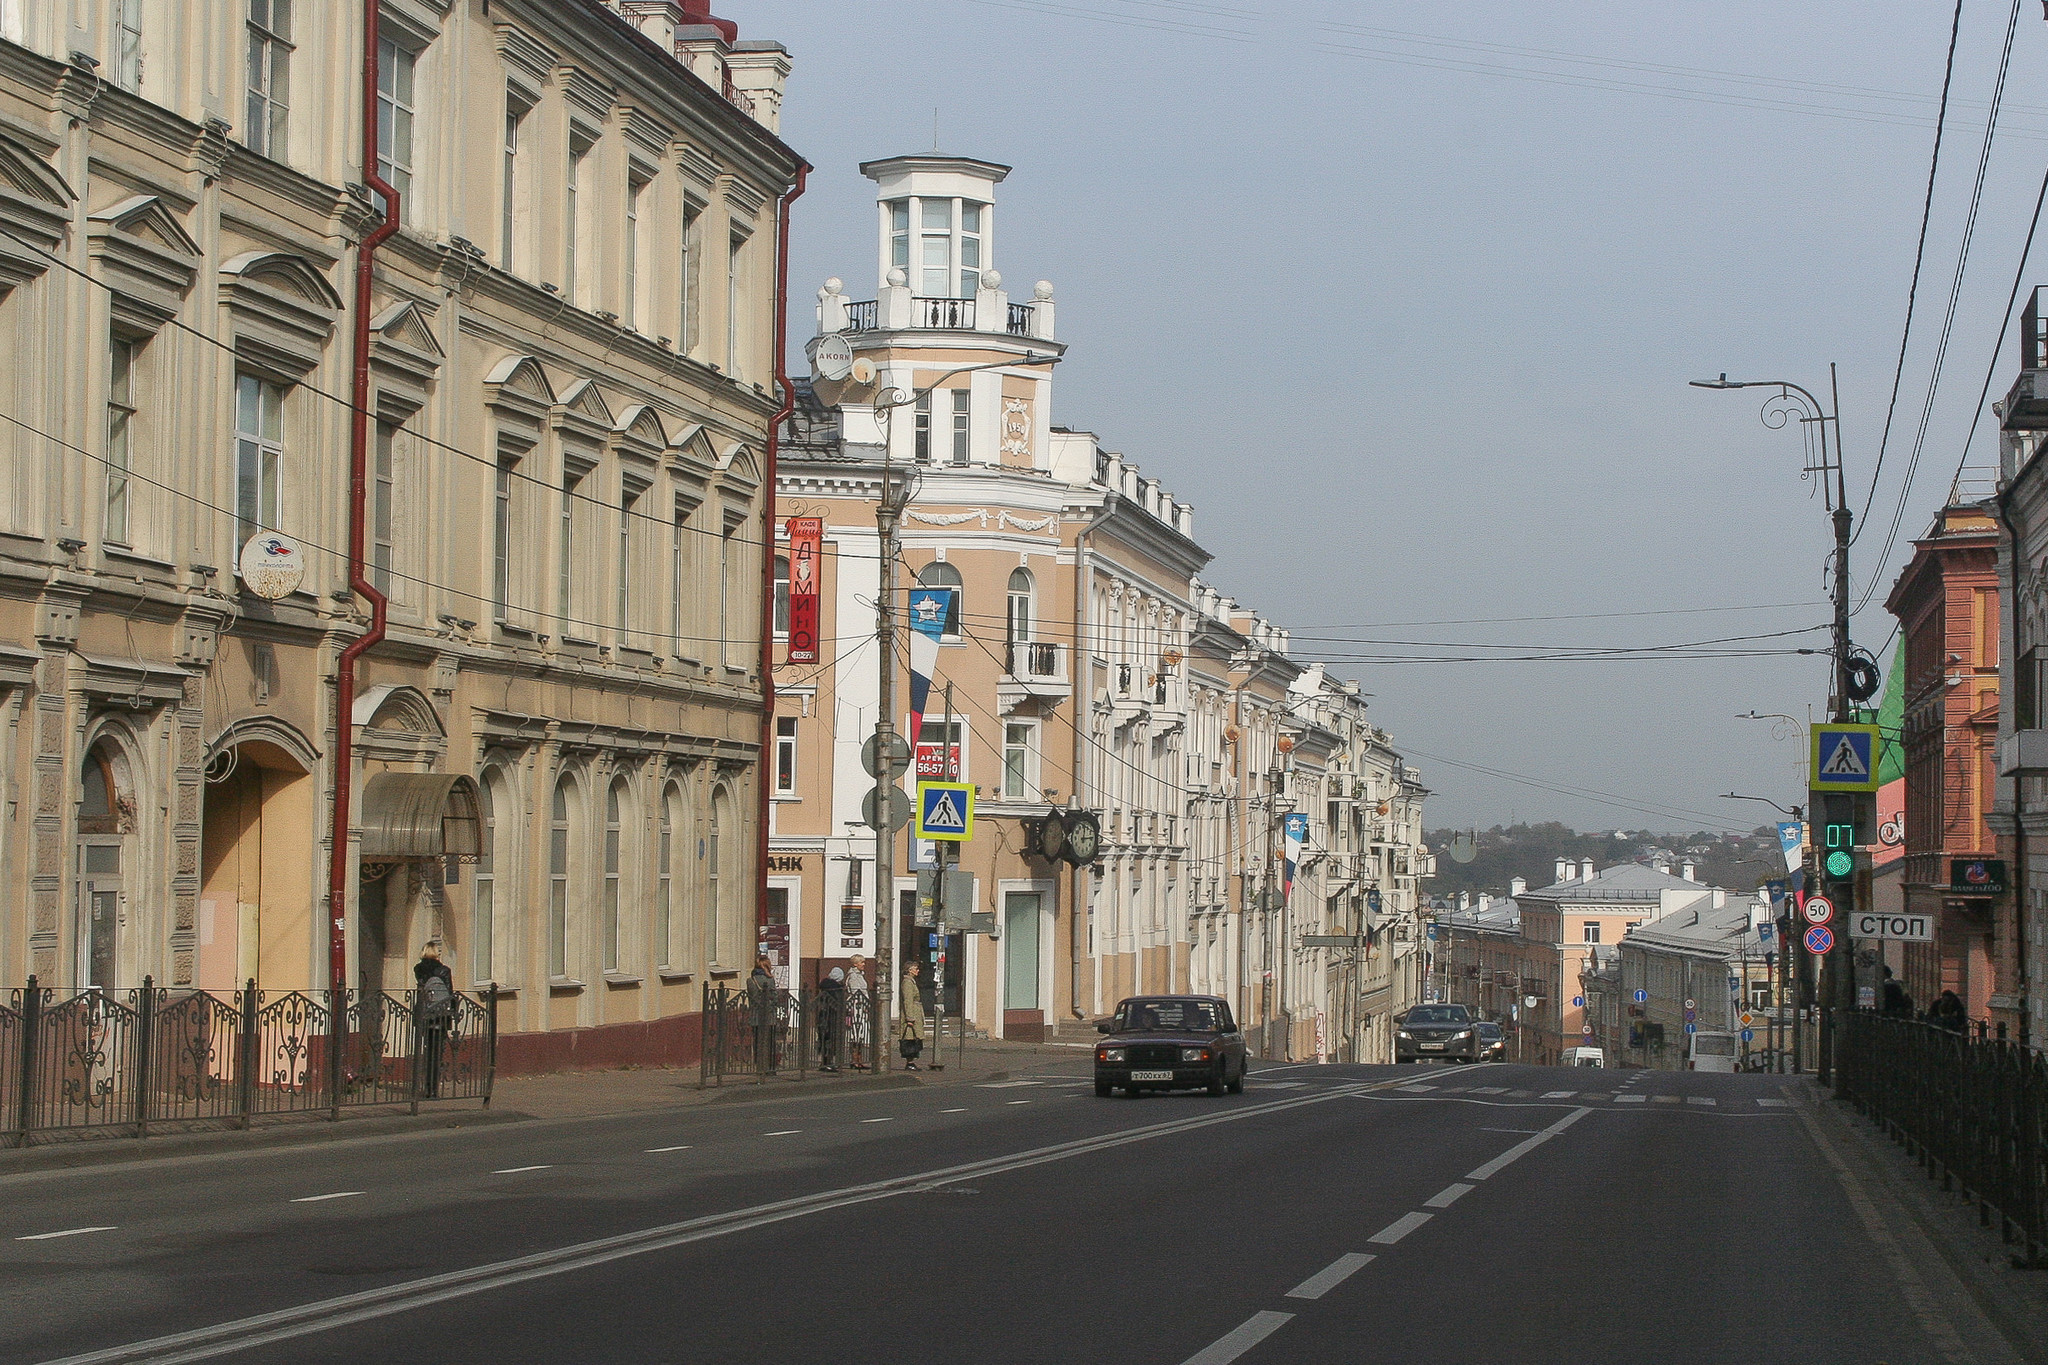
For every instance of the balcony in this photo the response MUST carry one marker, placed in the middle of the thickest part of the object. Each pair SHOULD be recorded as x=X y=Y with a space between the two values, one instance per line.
x=942 y=315
x=1035 y=669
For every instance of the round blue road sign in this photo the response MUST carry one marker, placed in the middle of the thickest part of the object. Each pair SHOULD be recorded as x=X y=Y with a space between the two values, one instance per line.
x=1819 y=939
x=1749 y=1035
x=1642 y=997
x=1692 y=1028
x=1578 y=1002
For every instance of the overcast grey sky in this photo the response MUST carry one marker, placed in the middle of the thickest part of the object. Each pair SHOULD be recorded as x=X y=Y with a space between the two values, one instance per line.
x=1404 y=298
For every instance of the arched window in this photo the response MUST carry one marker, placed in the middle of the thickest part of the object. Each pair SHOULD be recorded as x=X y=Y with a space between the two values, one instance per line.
x=613 y=837
x=782 y=597
x=664 y=880
x=558 y=881
x=485 y=896
x=1021 y=589
x=100 y=849
x=714 y=908
x=940 y=574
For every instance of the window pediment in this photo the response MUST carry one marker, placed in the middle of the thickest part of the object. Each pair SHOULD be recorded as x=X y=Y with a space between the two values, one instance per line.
x=692 y=458
x=404 y=352
x=35 y=205
x=638 y=437
x=284 y=310
x=741 y=468
x=146 y=257
x=583 y=412
x=518 y=386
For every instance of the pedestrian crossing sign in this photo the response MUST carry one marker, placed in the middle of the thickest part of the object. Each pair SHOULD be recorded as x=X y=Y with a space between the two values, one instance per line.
x=1845 y=758
x=945 y=810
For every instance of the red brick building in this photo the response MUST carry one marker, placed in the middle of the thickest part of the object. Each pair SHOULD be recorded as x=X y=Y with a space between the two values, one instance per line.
x=1946 y=600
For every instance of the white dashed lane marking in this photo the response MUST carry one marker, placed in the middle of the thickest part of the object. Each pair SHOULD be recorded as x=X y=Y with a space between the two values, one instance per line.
x=684 y=1148
x=67 y=1232
x=890 y=1119
x=1775 y=1104
x=319 y=1198
x=1696 y=1099
x=1399 y=1228
x=952 y=1111
x=1631 y=1099
x=1240 y=1339
x=1330 y=1276
x=1446 y=1197
x=1020 y=1101
x=783 y=1132
x=1559 y=1094
x=515 y=1170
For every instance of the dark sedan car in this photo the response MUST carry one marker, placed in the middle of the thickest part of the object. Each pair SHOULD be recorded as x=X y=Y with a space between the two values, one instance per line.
x=1493 y=1041
x=1439 y=1033
x=1170 y=1042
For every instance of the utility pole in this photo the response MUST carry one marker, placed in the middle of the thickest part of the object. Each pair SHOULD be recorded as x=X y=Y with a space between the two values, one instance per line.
x=888 y=520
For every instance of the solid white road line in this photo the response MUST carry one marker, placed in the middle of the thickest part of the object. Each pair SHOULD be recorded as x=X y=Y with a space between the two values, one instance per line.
x=1631 y=1099
x=68 y=1232
x=317 y=1198
x=515 y=1170
x=1240 y=1339
x=1399 y=1228
x=1005 y=1085
x=1278 y=1085
x=1526 y=1145
x=684 y=1148
x=1417 y=1089
x=285 y=1324
x=1517 y=1131
x=1446 y=1197
x=1330 y=1276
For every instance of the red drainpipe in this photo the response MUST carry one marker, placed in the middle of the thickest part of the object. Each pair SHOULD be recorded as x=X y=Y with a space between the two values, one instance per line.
x=358 y=461
x=763 y=769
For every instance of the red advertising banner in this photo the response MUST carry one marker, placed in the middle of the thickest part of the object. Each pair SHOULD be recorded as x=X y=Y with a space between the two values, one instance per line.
x=806 y=535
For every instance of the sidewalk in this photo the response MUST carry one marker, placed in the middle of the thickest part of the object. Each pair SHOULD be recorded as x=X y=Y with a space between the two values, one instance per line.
x=577 y=1094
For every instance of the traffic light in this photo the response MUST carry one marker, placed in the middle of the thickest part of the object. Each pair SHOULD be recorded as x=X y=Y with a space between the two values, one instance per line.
x=1848 y=821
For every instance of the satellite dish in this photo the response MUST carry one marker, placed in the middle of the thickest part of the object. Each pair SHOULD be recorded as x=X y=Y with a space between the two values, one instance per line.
x=1464 y=848
x=832 y=358
x=863 y=371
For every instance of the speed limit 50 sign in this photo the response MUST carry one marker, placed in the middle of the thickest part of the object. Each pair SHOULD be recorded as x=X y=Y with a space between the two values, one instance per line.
x=1818 y=909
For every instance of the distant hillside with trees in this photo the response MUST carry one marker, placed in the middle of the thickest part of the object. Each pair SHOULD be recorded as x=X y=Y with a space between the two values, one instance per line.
x=1737 y=862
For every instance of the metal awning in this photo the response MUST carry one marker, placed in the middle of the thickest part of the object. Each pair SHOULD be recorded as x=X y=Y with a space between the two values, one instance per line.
x=419 y=815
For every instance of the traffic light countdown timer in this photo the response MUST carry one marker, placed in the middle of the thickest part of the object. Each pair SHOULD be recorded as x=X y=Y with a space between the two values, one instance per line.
x=1847 y=824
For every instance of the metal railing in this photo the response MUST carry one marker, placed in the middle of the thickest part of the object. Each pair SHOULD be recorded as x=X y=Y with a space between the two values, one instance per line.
x=1020 y=319
x=861 y=317
x=756 y=1034
x=1033 y=659
x=1972 y=1111
x=949 y=314
x=124 y=1060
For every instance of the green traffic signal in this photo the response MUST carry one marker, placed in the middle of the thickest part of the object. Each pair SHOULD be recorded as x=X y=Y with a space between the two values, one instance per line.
x=1840 y=863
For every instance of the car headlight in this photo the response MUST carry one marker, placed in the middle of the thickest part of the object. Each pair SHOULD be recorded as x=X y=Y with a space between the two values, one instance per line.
x=1405 y=1036
x=1461 y=1037
x=1194 y=1054
x=1109 y=1054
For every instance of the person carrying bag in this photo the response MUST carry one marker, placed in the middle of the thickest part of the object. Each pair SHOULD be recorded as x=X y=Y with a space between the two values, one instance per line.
x=910 y=1033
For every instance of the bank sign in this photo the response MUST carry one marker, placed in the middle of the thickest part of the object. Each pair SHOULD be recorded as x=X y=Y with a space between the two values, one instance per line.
x=1976 y=877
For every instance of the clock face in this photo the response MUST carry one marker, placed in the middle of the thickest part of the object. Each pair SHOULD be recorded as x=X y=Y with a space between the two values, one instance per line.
x=1081 y=840
x=1052 y=837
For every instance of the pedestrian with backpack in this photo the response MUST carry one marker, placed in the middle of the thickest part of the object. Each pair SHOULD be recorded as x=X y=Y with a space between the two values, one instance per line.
x=434 y=1013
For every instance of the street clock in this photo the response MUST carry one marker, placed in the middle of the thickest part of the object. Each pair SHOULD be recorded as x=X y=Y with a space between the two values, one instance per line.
x=1074 y=836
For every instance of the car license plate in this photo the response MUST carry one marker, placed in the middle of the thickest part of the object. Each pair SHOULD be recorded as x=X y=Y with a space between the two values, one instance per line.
x=1432 y=1047
x=1151 y=1075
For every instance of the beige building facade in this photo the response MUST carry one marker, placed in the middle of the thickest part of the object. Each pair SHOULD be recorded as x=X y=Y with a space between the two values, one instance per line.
x=556 y=748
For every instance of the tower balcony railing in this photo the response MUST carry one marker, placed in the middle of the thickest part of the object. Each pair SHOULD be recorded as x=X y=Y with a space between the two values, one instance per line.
x=934 y=314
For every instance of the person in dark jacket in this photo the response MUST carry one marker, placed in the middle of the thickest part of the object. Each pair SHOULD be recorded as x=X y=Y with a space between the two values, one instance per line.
x=1948 y=1013
x=762 y=999
x=434 y=990
x=1897 y=1003
x=831 y=1018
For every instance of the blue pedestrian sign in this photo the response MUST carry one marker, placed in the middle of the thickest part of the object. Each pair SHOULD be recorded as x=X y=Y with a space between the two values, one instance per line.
x=945 y=810
x=1642 y=997
x=1845 y=758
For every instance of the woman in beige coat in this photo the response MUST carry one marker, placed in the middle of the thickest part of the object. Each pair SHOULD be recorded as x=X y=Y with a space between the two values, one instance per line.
x=910 y=1033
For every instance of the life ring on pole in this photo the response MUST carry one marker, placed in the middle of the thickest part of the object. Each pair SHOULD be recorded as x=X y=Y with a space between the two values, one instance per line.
x=1864 y=679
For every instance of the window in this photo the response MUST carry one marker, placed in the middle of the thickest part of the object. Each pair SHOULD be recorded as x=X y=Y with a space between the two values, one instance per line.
x=1759 y=995
x=501 y=537
x=270 y=55
x=564 y=575
x=940 y=574
x=572 y=217
x=613 y=836
x=725 y=594
x=664 y=880
x=629 y=306
x=962 y=433
x=486 y=880
x=1021 y=588
x=970 y=249
x=675 y=581
x=735 y=331
x=782 y=597
x=120 y=419
x=899 y=234
x=1591 y=929
x=716 y=905
x=629 y=502
x=924 y=428
x=1018 y=743
x=935 y=248
x=395 y=117
x=785 y=755
x=2028 y=711
x=259 y=451
x=558 y=882
x=128 y=44
x=508 y=207
x=380 y=508
x=686 y=335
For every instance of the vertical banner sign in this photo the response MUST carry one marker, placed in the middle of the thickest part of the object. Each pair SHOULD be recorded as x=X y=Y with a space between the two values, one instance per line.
x=1297 y=835
x=1791 y=834
x=930 y=609
x=806 y=535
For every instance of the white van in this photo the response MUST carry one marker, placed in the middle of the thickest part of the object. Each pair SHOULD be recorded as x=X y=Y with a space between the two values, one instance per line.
x=1584 y=1056
x=1706 y=1051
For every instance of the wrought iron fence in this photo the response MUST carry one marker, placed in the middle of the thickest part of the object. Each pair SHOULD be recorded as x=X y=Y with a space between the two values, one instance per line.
x=756 y=1034
x=126 y=1060
x=1973 y=1112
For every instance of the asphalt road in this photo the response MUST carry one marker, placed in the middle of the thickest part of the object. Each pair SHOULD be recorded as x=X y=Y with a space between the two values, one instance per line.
x=1359 y=1214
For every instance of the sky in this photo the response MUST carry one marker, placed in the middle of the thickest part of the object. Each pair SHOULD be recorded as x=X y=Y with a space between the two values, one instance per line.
x=1405 y=299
